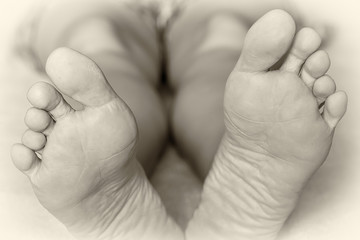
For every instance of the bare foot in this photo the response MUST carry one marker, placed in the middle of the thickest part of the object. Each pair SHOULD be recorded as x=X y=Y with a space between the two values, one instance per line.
x=277 y=133
x=82 y=163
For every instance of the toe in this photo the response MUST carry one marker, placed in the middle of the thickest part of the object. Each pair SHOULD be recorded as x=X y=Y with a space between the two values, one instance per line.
x=323 y=88
x=44 y=96
x=315 y=66
x=306 y=42
x=38 y=120
x=33 y=140
x=79 y=77
x=335 y=108
x=267 y=41
x=24 y=158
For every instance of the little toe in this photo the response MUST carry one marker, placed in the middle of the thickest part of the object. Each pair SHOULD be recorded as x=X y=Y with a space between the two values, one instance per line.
x=39 y=120
x=315 y=66
x=323 y=88
x=33 y=140
x=78 y=77
x=44 y=96
x=24 y=158
x=306 y=42
x=267 y=41
x=335 y=108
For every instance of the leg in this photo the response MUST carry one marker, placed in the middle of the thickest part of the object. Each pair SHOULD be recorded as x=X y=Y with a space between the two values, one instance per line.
x=203 y=44
x=113 y=35
x=178 y=186
x=277 y=133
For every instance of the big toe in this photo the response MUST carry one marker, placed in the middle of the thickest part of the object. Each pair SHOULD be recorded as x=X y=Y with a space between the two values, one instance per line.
x=267 y=41
x=78 y=77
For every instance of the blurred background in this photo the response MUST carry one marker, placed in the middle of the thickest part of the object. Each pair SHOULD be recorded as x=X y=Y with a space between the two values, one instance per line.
x=329 y=207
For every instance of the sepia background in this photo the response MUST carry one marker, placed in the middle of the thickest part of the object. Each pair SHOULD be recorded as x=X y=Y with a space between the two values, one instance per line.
x=329 y=207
